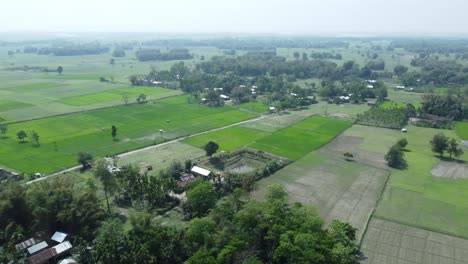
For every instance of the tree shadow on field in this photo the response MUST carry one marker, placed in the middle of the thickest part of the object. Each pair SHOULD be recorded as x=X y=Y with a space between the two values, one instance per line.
x=448 y=159
x=4 y=137
x=23 y=142
x=116 y=140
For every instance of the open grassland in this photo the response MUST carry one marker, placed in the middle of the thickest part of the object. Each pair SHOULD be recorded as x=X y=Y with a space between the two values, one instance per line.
x=462 y=130
x=117 y=95
x=162 y=156
x=301 y=138
x=291 y=142
x=387 y=242
x=254 y=106
x=339 y=189
x=414 y=196
x=391 y=105
x=30 y=96
x=63 y=137
x=404 y=97
x=228 y=139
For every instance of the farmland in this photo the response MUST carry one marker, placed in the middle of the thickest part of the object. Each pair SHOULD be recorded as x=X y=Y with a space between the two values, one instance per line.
x=62 y=137
x=390 y=242
x=462 y=130
x=414 y=196
x=339 y=189
x=301 y=138
x=291 y=142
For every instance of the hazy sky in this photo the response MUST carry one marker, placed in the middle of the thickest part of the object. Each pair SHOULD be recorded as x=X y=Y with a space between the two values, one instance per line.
x=249 y=16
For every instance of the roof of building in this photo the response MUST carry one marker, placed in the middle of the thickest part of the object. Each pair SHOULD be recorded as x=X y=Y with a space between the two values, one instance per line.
x=224 y=96
x=370 y=86
x=62 y=247
x=200 y=171
x=68 y=261
x=59 y=237
x=26 y=244
x=37 y=247
x=271 y=108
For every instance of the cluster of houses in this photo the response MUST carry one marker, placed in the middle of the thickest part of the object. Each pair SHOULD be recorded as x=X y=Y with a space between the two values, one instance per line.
x=402 y=87
x=195 y=173
x=49 y=250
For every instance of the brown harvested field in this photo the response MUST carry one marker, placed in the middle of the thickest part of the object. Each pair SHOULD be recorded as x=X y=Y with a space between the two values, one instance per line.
x=339 y=189
x=387 y=242
x=451 y=170
x=342 y=144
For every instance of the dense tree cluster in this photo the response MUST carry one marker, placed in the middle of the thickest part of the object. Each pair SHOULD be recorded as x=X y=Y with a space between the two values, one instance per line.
x=440 y=72
x=395 y=157
x=272 y=231
x=69 y=49
x=395 y=117
x=441 y=143
x=326 y=56
x=156 y=54
x=444 y=106
x=47 y=206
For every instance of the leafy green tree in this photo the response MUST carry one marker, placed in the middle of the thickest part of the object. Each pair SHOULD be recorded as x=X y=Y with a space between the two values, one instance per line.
x=59 y=69
x=21 y=135
x=35 y=137
x=201 y=199
x=109 y=243
x=402 y=143
x=3 y=129
x=141 y=98
x=454 y=148
x=114 y=132
x=211 y=148
x=395 y=157
x=439 y=143
x=112 y=62
x=399 y=70
x=296 y=55
x=85 y=159
x=125 y=98
x=107 y=179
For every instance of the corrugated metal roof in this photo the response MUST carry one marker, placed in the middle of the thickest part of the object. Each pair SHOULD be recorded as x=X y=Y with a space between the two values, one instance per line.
x=46 y=255
x=200 y=171
x=25 y=244
x=59 y=237
x=62 y=247
x=37 y=247
x=68 y=261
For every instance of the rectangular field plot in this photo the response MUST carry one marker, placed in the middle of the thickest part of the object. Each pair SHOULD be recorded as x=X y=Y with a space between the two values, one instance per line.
x=387 y=242
x=62 y=137
x=415 y=196
x=462 y=130
x=117 y=94
x=6 y=105
x=339 y=189
x=301 y=138
x=228 y=139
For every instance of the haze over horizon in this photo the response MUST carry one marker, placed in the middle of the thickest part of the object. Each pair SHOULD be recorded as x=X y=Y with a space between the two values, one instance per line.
x=363 y=17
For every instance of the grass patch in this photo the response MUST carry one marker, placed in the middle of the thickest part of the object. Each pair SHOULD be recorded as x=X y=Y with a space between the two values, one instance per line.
x=301 y=138
x=462 y=130
x=63 y=137
x=228 y=139
x=6 y=105
x=392 y=105
x=35 y=87
x=254 y=106
x=117 y=94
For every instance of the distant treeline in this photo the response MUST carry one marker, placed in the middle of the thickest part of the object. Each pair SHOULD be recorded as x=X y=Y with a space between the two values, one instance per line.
x=252 y=43
x=69 y=49
x=428 y=46
x=268 y=63
x=156 y=54
x=325 y=56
